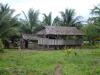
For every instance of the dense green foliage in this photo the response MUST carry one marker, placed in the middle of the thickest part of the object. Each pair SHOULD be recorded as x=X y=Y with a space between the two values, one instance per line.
x=8 y=23
x=28 y=62
x=31 y=21
x=69 y=19
x=47 y=20
x=57 y=21
x=90 y=33
x=92 y=29
x=11 y=27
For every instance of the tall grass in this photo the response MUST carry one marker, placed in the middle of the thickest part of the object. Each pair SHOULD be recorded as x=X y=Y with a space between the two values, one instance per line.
x=28 y=62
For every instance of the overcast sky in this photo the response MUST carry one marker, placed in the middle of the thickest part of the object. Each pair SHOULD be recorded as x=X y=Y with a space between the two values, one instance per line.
x=82 y=7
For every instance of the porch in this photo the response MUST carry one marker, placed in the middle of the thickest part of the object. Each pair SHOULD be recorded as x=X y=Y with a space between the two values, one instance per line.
x=46 y=41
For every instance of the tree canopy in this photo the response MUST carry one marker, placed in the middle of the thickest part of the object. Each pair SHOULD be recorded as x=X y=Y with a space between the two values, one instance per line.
x=8 y=22
x=69 y=19
x=11 y=25
x=31 y=21
x=47 y=20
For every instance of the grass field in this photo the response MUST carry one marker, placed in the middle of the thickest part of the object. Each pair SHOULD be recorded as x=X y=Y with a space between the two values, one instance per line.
x=33 y=62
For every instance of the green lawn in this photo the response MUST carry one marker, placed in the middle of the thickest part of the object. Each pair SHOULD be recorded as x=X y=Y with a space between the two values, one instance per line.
x=32 y=62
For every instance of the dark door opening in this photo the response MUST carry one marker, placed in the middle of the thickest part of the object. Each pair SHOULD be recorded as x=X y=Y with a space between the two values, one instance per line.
x=26 y=43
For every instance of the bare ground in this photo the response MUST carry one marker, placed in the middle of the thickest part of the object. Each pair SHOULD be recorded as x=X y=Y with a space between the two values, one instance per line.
x=58 y=70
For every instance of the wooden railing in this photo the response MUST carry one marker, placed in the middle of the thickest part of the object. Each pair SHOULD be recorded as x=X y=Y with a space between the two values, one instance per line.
x=45 y=41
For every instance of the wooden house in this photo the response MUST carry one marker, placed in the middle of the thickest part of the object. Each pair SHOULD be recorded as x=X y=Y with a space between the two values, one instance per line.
x=53 y=37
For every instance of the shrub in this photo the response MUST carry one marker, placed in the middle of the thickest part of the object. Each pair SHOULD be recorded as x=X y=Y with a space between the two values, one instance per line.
x=89 y=46
x=69 y=51
x=4 y=72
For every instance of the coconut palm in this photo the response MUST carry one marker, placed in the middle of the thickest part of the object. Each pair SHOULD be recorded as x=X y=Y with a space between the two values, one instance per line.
x=47 y=20
x=96 y=15
x=96 y=10
x=8 y=23
x=31 y=21
x=57 y=21
x=69 y=19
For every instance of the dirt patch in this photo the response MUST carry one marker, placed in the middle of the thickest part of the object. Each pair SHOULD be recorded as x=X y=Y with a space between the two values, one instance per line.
x=58 y=70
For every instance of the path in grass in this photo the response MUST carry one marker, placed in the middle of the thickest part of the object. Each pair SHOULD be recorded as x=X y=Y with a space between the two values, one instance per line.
x=58 y=70
x=95 y=65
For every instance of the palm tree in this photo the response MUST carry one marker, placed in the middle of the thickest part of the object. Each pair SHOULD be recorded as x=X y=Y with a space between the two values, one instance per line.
x=57 y=21
x=96 y=15
x=9 y=25
x=31 y=21
x=96 y=10
x=47 y=20
x=69 y=19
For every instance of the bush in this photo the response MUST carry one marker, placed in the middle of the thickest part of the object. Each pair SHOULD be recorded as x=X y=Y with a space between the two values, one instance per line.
x=4 y=72
x=69 y=51
x=87 y=45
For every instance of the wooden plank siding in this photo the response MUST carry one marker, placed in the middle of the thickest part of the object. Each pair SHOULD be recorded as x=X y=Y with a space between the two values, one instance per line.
x=46 y=41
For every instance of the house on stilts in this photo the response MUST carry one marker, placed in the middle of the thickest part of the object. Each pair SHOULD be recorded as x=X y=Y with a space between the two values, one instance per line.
x=56 y=37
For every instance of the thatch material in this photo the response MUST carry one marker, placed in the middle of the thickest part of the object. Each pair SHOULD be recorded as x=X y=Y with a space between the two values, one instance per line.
x=59 y=30
x=29 y=37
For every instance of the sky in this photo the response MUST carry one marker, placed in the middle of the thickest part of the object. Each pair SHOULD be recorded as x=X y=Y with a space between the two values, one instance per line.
x=82 y=7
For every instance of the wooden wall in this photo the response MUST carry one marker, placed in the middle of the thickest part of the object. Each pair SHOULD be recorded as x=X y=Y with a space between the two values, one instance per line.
x=46 y=41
